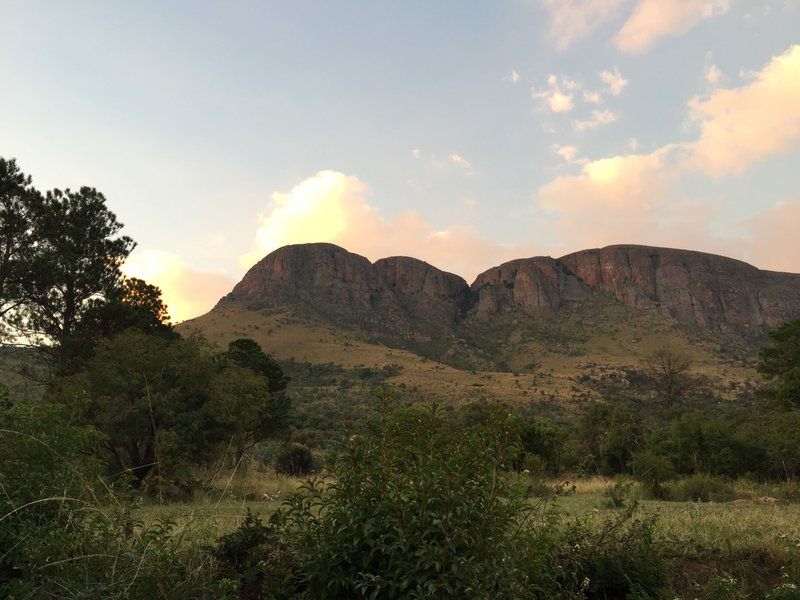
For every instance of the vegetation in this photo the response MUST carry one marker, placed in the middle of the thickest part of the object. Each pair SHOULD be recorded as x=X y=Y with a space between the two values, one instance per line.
x=405 y=497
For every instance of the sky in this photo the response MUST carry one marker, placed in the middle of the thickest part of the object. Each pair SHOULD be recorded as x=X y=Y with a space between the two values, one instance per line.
x=462 y=132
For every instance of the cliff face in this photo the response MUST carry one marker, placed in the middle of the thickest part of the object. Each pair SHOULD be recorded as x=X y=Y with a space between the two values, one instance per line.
x=395 y=293
x=694 y=287
x=527 y=284
x=402 y=295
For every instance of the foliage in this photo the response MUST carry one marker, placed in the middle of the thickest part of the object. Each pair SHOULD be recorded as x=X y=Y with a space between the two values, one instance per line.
x=418 y=509
x=702 y=488
x=19 y=202
x=780 y=364
x=247 y=353
x=620 y=558
x=257 y=558
x=295 y=460
x=77 y=258
x=654 y=471
x=168 y=404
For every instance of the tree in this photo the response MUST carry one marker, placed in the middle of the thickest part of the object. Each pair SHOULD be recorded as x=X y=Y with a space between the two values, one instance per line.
x=247 y=353
x=670 y=375
x=77 y=259
x=272 y=410
x=170 y=403
x=780 y=364
x=19 y=205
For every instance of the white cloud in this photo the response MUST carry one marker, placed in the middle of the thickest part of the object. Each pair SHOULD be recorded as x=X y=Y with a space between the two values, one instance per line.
x=653 y=20
x=187 y=292
x=714 y=76
x=592 y=97
x=460 y=161
x=614 y=81
x=633 y=144
x=740 y=126
x=416 y=153
x=599 y=117
x=573 y=20
x=554 y=97
x=513 y=77
x=333 y=207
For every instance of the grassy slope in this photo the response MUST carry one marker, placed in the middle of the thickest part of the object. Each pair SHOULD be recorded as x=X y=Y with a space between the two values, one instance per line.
x=551 y=360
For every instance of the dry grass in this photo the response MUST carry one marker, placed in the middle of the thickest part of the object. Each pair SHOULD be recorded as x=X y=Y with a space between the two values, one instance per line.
x=624 y=344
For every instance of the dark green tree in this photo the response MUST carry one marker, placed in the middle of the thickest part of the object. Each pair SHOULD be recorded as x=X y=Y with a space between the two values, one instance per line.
x=247 y=353
x=77 y=259
x=20 y=204
x=780 y=364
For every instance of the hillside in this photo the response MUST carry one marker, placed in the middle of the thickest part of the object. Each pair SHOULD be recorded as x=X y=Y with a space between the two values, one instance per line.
x=536 y=329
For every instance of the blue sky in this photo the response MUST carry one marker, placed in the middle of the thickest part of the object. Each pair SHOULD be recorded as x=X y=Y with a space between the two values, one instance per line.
x=463 y=133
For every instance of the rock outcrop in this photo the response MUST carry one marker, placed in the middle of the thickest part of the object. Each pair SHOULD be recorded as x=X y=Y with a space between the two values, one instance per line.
x=399 y=294
x=527 y=284
x=402 y=295
x=694 y=287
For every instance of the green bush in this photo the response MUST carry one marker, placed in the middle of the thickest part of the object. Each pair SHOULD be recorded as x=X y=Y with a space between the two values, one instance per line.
x=653 y=471
x=618 y=558
x=295 y=460
x=702 y=488
x=419 y=509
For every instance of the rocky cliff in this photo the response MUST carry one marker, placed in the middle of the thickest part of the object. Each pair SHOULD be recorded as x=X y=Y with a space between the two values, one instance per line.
x=399 y=294
x=404 y=295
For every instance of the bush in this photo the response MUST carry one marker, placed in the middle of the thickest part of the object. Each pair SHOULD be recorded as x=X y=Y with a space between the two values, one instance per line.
x=295 y=460
x=620 y=558
x=419 y=509
x=702 y=488
x=256 y=560
x=653 y=471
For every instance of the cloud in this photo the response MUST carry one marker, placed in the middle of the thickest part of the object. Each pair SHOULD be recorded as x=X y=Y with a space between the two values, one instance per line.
x=615 y=82
x=554 y=97
x=599 y=117
x=333 y=207
x=513 y=77
x=592 y=97
x=714 y=76
x=460 y=161
x=573 y=20
x=774 y=240
x=628 y=199
x=653 y=20
x=416 y=153
x=187 y=292
x=740 y=126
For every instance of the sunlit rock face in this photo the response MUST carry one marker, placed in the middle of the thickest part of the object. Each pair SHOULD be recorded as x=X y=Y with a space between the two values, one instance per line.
x=527 y=284
x=406 y=296
x=694 y=287
x=397 y=293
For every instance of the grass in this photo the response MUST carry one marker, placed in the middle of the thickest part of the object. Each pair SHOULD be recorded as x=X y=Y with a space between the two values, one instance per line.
x=566 y=373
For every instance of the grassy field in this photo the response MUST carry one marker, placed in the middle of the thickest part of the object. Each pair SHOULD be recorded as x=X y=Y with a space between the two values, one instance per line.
x=745 y=541
x=560 y=363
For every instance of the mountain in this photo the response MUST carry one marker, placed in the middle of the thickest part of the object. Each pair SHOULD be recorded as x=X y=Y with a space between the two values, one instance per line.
x=553 y=327
x=405 y=296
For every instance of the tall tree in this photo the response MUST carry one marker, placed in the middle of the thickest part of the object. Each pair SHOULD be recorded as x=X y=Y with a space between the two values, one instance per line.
x=77 y=259
x=19 y=206
x=780 y=363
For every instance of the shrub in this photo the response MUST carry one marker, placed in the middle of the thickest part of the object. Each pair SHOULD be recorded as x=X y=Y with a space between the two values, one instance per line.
x=255 y=559
x=419 y=509
x=653 y=471
x=295 y=460
x=620 y=558
x=702 y=488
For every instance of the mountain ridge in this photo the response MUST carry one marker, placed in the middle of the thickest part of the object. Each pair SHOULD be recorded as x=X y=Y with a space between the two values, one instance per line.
x=410 y=297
